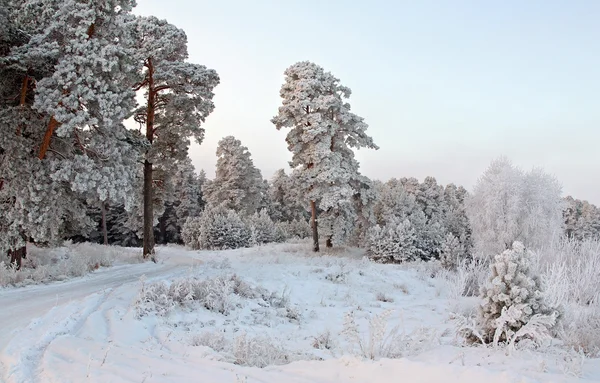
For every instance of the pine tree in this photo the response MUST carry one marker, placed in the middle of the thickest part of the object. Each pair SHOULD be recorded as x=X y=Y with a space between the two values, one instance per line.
x=581 y=219
x=322 y=133
x=512 y=297
x=69 y=65
x=238 y=184
x=285 y=201
x=178 y=98
x=392 y=243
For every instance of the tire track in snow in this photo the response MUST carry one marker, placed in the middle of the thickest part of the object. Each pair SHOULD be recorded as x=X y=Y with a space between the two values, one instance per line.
x=22 y=305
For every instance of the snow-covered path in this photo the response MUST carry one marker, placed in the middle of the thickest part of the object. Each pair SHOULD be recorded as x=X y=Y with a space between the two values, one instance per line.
x=22 y=305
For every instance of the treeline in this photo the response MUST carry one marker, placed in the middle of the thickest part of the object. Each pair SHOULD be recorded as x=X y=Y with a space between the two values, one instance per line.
x=72 y=72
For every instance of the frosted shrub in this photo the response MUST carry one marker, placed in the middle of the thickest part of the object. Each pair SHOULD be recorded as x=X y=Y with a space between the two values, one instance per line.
x=381 y=343
x=395 y=242
x=258 y=352
x=190 y=232
x=581 y=330
x=262 y=229
x=214 y=294
x=215 y=340
x=512 y=302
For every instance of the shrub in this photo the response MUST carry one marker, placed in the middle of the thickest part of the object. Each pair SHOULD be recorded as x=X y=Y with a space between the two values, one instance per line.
x=395 y=242
x=215 y=340
x=512 y=299
x=258 y=352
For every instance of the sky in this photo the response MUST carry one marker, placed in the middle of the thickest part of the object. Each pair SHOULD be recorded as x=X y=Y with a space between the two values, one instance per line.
x=445 y=86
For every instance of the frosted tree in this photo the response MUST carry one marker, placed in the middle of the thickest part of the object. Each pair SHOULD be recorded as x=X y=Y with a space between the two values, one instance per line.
x=581 y=219
x=217 y=228
x=177 y=99
x=452 y=252
x=185 y=201
x=542 y=213
x=393 y=200
x=508 y=205
x=406 y=199
x=456 y=220
x=392 y=243
x=285 y=201
x=262 y=228
x=69 y=66
x=322 y=133
x=430 y=196
x=512 y=298
x=238 y=184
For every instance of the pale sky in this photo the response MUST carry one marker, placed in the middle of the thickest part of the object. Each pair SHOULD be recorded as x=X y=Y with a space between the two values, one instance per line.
x=445 y=86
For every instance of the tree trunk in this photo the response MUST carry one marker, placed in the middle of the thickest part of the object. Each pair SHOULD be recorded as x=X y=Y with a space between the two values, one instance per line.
x=148 y=192
x=163 y=229
x=16 y=256
x=315 y=231
x=148 y=211
x=104 y=231
x=329 y=243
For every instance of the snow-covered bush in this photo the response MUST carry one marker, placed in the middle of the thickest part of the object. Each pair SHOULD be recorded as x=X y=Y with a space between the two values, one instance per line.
x=581 y=330
x=512 y=301
x=381 y=343
x=394 y=242
x=258 y=351
x=214 y=294
x=262 y=229
x=215 y=340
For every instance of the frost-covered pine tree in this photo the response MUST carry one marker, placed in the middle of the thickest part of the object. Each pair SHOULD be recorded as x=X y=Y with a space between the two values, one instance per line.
x=452 y=252
x=509 y=205
x=238 y=184
x=393 y=201
x=65 y=140
x=581 y=219
x=185 y=201
x=262 y=228
x=322 y=133
x=512 y=296
x=217 y=228
x=177 y=99
x=406 y=199
x=455 y=220
x=392 y=243
x=285 y=201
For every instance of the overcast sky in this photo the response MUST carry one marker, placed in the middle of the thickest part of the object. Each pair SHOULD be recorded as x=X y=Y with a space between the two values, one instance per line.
x=445 y=86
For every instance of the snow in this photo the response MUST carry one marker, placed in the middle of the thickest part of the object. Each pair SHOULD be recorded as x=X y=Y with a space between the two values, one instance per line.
x=87 y=329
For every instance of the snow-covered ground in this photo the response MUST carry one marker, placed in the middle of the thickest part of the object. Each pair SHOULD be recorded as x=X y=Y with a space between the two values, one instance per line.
x=276 y=305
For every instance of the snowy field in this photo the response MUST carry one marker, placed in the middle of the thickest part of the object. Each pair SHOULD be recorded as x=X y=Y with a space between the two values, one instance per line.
x=267 y=314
